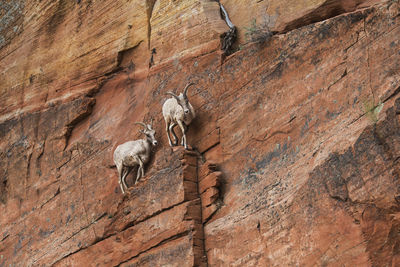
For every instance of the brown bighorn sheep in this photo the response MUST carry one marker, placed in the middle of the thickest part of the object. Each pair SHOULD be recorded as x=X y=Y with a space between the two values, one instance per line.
x=134 y=153
x=178 y=111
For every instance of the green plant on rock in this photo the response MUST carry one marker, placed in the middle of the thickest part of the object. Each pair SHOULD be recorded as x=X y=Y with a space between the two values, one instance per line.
x=372 y=111
x=258 y=32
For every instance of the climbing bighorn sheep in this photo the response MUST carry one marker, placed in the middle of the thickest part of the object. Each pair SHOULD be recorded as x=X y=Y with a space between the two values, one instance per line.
x=134 y=153
x=178 y=111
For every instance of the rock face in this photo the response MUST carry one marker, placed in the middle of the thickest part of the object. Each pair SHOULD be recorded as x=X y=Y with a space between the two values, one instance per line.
x=296 y=141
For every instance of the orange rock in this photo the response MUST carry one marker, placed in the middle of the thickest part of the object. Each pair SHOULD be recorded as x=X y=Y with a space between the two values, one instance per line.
x=208 y=212
x=209 y=196
x=206 y=168
x=211 y=180
x=190 y=173
x=304 y=127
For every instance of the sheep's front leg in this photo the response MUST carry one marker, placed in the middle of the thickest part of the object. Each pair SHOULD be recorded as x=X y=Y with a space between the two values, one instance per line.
x=183 y=129
x=121 y=180
x=183 y=143
x=140 y=172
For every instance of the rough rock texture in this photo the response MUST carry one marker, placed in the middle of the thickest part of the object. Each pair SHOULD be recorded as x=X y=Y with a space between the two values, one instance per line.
x=296 y=140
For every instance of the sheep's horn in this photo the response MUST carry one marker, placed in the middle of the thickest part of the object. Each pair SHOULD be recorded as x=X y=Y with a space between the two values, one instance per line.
x=174 y=95
x=141 y=123
x=186 y=88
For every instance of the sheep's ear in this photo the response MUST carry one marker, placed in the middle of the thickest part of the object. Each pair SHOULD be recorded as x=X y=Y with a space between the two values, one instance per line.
x=186 y=89
x=174 y=95
x=141 y=131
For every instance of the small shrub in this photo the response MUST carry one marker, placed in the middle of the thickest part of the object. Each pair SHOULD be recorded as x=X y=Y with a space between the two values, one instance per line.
x=258 y=33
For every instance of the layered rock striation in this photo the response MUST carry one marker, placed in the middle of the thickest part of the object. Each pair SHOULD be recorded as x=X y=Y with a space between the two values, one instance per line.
x=296 y=143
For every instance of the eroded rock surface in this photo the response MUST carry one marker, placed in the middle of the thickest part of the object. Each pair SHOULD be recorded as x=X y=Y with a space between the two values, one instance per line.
x=296 y=140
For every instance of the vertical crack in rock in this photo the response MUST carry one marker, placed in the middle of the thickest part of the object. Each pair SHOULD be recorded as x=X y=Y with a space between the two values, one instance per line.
x=190 y=164
x=368 y=64
x=149 y=8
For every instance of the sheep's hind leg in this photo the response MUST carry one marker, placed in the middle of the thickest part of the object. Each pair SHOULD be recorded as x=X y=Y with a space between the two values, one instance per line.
x=167 y=123
x=127 y=170
x=122 y=187
x=120 y=169
x=171 y=128
x=140 y=172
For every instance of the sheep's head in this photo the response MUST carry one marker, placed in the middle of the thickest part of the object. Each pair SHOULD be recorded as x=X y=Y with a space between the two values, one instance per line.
x=148 y=132
x=182 y=99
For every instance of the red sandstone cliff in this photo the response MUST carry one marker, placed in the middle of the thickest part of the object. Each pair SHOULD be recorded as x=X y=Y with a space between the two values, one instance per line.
x=297 y=138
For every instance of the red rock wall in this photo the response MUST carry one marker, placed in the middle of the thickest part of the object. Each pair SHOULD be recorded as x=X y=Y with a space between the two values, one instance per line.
x=296 y=139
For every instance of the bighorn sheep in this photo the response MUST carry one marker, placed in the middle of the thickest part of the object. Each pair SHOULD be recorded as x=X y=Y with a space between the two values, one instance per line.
x=178 y=111
x=134 y=153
